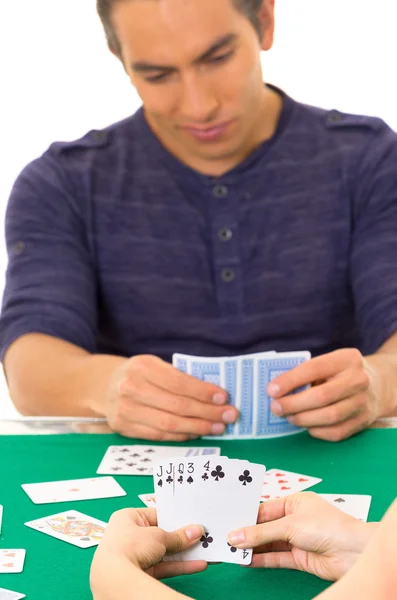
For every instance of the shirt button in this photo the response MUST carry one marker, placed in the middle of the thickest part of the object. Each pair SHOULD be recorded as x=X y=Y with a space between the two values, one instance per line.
x=228 y=275
x=225 y=234
x=19 y=248
x=220 y=191
x=334 y=117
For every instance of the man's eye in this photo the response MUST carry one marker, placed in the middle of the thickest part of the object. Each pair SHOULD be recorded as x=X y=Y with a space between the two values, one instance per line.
x=222 y=58
x=157 y=78
x=216 y=60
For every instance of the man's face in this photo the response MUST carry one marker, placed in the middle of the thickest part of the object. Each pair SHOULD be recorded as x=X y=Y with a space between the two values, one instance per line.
x=196 y=67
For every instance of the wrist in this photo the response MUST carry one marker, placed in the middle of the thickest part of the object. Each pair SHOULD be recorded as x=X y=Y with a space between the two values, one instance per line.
x=381 y=369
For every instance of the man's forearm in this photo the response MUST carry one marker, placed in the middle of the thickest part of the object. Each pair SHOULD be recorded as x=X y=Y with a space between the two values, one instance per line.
x=57 y=378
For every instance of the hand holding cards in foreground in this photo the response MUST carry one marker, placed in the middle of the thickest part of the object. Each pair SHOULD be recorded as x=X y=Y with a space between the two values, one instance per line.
x=134 y=535
x=218 y=493
x=304 y=532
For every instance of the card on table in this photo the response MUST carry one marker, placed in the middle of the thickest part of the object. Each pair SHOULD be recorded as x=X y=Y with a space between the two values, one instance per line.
x=278 y=483
x=138 y=460
x=216 y=492
x=1 y=517
x=73 y=489
x=9 y=595
x=71 y=526
x=356 y=505
x=246 y=379
x=149 y=500
x=12 y=561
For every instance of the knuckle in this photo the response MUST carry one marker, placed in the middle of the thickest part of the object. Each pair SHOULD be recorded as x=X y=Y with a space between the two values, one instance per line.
x=168 y=424
x=140 y=362
x=334 y=414
x=355 y=356
x=322 y=397
x=179 y=406
x=157 y=436
x=336 y=434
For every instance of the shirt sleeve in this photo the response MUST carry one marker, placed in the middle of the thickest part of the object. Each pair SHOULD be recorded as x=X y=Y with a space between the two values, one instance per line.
x=50 y=281
x=374 y=242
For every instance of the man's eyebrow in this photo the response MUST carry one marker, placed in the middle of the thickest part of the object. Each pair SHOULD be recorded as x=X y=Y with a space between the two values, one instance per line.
x=219 y=44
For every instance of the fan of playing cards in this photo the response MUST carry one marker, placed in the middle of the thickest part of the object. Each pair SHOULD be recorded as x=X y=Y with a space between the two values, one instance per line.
x=216 y=492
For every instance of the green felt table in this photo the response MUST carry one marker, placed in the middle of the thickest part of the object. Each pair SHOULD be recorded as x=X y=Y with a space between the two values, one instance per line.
x=365 y=464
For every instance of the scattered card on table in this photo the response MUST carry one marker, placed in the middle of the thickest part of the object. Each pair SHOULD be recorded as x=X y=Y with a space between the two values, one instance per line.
x=71 y=526
x=148 y=499
x=355 y=505
x=73 y=489
x=278 y=483
x=12 y=561
x=1 y=517
x=9 y=595
x=138 y=460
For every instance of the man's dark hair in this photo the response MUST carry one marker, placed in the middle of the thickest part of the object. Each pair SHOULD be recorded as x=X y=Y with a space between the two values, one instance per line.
x=249 y=8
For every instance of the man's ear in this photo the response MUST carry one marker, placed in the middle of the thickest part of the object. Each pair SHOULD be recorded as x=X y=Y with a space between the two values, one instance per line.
x=266 y=20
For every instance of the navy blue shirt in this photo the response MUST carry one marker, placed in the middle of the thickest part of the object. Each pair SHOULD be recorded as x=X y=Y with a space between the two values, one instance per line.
x=118 y=247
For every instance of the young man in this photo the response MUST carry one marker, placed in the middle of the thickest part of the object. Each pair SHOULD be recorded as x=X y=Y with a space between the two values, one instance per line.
x=301 y=532
x=222 y=218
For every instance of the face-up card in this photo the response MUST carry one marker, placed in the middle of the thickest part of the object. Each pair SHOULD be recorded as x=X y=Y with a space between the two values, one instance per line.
x=9 y=595
x=216 y=492
x=11 y=561
x=73 y=489
x=353 y=504
x=278 y=483
x=148 y=499
x=72 y=527
x=138 y=460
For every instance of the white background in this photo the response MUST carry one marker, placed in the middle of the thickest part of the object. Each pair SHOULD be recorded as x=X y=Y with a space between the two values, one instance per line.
x=59 y=80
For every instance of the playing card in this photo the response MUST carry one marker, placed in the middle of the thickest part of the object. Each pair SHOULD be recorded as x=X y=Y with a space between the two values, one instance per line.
x=353 y=504
x=11 y=561
x=73 y=489
x=72 y=527
x=9 y=595
x=1 y=517
x=216 y=492
x=138 y=460
x=267 y=369
x=148 y=499
x=245 y=378
x=278 y=483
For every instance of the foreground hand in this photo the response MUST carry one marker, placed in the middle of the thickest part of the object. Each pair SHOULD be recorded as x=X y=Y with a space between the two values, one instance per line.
x=149 y=399
x=304 y=532
x=345 y=396
x=133 y=534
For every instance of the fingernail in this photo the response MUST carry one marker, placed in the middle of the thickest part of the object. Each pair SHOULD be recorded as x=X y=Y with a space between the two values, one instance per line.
x=276 y=409
x=193 y=532
x=273 y=389
x=229 y=416
x=236 y=537
x=219 y=399
x=218 y=428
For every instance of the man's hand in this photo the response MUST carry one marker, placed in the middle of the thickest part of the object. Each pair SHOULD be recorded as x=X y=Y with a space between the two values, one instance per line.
x=347 y=393
x=304 y=532
x=149 y=399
